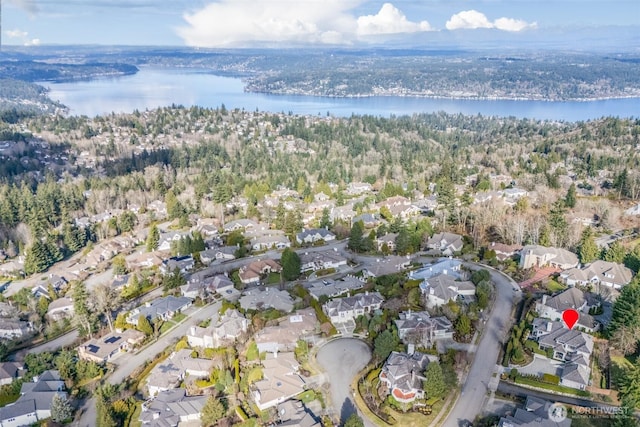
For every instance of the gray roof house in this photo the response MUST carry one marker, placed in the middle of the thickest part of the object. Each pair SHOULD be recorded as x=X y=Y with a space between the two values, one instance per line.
x=34 y=403
x=170 y=373
x=60 y=308
x=441 y=289
x=449 y=266
x=445 y=243
x=335 y=288
x=163 y=308
x=10 y=371
x=229 y=327
x=293 y=413
x=403 y=375
x=240 y=224
x=281 y=381
x=536 y=413
x=387 y=265
x=571 y=298
x=171 y=408
x=182 y=263
x=105 y=348
x=220 y=253
x=569 y=345
x=313 y=261
x=342 y=310
x=610 y=274
x=421 y=329
x=313 y=235
x=260 y=299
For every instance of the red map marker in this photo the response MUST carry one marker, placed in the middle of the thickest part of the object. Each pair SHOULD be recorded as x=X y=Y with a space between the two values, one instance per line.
x=570 y=317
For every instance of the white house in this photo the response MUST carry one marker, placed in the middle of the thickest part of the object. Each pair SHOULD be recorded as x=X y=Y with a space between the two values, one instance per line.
x=344 y=309
x=610 y=274
x=541 y=256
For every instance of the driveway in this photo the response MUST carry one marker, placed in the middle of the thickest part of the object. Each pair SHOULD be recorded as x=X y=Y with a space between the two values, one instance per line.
x=475 y=386
x=540 y=365
x=342 y=360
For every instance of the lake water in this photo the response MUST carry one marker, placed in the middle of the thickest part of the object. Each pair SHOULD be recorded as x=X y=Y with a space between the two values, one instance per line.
x=154 y=87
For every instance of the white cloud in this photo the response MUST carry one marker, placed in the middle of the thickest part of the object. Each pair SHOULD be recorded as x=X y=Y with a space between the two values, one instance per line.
x=472 y=19
x=16 y=34
x=233 y=23
x=389 y=20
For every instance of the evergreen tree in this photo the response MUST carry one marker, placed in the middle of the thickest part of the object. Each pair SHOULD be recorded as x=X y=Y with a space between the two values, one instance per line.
x=325 y=220
x=463 y=325
x=403 y=242
x=587 y=249
x=153 y=238
x=37 y=259
x=354 y=420
x=626 y=308
x=434 y=385
x=212 y=411
x=290 y=264
x=570 y=198
x=384 y=344
x=61 y=409
x=355 y=238
x=615 y=253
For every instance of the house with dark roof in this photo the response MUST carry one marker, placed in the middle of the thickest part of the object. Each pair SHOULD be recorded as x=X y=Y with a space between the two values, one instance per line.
x=571 y=298
x=387 y=265
x=403 y=374
x=443 y=288
x=344 y=309
x=445 y=243
x=314 y=235
x=293 y=413
x=369 y=220
x=218 y=254
x=536 y=413
x=10 y=371
x=335 y=288
x=183 y=263
x=569 y=345
x=171 y=408
x=610 y=274
x=269 y=297
x=421 y=329
x=34 y=403
x=164 y=308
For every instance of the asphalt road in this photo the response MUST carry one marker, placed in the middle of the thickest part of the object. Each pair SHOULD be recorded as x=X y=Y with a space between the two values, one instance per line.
x=474 y=389
x=343 y=359
x=129 y=362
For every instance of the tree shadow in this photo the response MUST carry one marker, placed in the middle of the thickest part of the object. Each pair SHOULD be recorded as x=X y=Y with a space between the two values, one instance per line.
x=348 y=408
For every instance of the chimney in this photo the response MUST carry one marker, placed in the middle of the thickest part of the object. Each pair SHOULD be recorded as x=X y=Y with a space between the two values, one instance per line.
x=549 y=326
x=409 y=314
x=192 y=330
x=544 y=299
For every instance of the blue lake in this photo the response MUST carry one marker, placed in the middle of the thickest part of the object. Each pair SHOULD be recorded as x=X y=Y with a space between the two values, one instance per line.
x=157 y=87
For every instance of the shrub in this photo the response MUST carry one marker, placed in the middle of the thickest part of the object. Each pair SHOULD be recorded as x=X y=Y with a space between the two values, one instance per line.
x=550 y=379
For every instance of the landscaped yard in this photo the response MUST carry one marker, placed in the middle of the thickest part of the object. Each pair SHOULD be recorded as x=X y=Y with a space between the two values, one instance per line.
x=552 y=387
x=553 y=286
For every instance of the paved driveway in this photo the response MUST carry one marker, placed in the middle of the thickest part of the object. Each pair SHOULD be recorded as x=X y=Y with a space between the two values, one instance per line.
x=342 y=359
x=540 y=365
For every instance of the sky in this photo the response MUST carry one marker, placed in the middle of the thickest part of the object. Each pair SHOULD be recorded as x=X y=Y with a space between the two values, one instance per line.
x=275 y=23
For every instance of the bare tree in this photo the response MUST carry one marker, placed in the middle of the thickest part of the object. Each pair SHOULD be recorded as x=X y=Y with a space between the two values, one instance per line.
x=106 y=300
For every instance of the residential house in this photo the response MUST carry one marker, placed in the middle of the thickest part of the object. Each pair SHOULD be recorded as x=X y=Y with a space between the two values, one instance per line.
x=540 y=256
x=183 y=263
x=445 y=243
x=102 y=350
x=293 y=413
x=314 y=235
x=34 y=403
x=261 y=299
x=569 y=345
x=357 y=188
x=389 y=240
x=536 y=413
x=10 y=371
x=266 y=242
x=240 y=224
x=218 y=254
x=201 y=287
x=120 y=281
x=60 y=308
x=448 y=266
x=314 y=261
x=345 y=309
x=421 y=329
x=172 y=408
x=166 y=239
x=504 y=251
x=228 y=328
x=387 y=265
x=253 y=272
x=443 y=288
x=280 y=381
x=512 y=195
x=633 y=211
x=610 y=274
x=369 y=220
x=335 y=288
x=164 y=308
x=572 y=298
x=140 y=260
x=158 y=208
x=170 y=373
x=399 y=206
x=342 y=213
x=403 y=374
x=12 y=328
x=284 y=336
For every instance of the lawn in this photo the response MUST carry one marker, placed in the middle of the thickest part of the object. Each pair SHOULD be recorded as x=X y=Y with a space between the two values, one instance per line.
x=166 y=326
x=273 y=279
x=179 y=317
x=552 y=387
x=553 y=286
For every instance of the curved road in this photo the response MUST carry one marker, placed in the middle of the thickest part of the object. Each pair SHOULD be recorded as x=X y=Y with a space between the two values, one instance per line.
x=343 y=359
x=474 y=389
